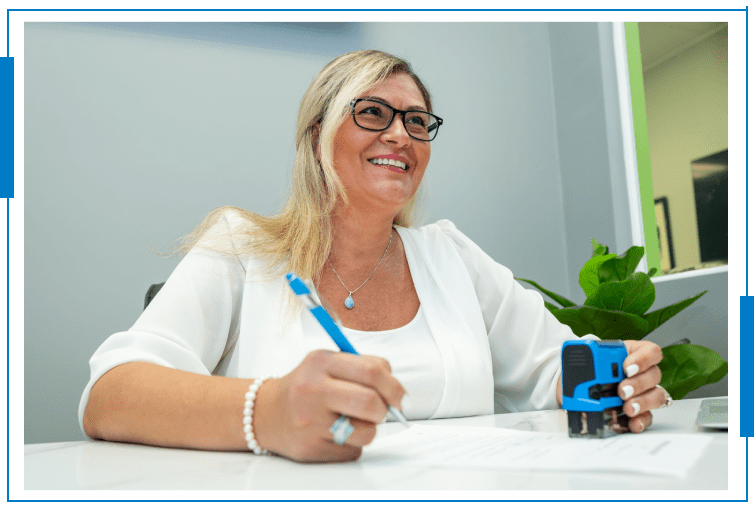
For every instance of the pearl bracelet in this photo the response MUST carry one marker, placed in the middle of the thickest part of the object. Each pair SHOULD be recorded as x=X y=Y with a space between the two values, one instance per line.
x=248 y=416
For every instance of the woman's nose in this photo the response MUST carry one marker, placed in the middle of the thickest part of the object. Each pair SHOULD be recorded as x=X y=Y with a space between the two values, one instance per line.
x=396 y=132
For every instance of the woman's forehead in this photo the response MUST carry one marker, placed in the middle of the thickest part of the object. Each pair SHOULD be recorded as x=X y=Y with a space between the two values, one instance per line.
x=399 y=87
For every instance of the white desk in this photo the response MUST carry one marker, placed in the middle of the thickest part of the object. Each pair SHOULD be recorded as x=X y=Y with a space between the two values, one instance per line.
x=106 y=465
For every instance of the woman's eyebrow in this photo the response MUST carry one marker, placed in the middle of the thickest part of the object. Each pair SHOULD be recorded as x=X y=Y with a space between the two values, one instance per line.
x=411 y=107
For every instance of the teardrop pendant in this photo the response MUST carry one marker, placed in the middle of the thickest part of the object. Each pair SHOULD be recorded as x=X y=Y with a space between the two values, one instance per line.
x=349 y=302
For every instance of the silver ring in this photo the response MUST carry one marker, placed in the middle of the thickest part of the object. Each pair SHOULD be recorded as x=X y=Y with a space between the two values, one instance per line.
x=668 y=399
x=341 y=429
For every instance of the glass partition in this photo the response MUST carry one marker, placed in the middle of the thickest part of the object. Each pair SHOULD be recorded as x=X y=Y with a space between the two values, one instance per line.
x=679 y=74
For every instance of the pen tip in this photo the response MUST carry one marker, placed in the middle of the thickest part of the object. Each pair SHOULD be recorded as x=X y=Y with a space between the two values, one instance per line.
x=399 y=416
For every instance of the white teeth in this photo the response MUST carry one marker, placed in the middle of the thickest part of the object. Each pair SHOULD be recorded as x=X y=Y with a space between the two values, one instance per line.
x=384 y=161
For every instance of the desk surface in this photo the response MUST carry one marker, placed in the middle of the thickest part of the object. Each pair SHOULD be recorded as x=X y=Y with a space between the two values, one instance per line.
x=107 y=465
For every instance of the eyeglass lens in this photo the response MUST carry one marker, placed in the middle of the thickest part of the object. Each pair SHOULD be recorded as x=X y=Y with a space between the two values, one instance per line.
x=375 y=116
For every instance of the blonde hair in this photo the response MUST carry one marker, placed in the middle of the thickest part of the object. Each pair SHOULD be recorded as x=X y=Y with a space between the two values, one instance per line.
x=299 y=238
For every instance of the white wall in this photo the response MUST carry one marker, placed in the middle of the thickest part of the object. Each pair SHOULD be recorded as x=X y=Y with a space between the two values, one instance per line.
x=134 y=132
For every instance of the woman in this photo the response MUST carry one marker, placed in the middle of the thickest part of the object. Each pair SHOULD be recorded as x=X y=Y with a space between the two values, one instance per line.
x=432 y=313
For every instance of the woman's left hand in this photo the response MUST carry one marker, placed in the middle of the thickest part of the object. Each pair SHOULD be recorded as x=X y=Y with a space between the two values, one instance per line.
x=639 y=390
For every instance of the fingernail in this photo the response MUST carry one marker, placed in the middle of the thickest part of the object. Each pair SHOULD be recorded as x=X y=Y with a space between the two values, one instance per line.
x=636 y=408
x=628 y=391
x=632 y=370
x=642 y=426
x=405 y=402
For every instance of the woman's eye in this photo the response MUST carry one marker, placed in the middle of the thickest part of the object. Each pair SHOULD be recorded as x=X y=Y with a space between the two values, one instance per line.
x=417 y=119
x=371 y=110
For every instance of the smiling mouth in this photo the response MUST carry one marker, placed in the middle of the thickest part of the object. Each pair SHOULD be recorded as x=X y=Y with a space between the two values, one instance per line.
x=392 y=163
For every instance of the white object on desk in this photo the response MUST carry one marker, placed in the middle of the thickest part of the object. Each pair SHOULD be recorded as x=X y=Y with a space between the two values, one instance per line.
x=89 y=465
x=713 y=413
x=500 y=448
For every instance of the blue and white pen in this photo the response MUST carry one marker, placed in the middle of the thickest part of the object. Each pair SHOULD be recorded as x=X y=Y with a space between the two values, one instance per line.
x=311 y=300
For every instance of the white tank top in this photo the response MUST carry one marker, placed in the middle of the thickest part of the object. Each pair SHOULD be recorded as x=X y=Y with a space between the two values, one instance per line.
x=414 y=359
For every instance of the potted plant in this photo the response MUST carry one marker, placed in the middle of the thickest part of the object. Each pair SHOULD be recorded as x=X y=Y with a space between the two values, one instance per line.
x=617 y=301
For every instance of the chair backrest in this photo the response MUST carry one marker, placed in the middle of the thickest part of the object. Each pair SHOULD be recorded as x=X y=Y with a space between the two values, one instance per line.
x=152 y=292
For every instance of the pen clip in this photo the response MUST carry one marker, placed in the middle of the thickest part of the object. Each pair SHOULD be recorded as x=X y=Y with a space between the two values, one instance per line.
x=322 y=302
x=313 y=292
x=307 y=293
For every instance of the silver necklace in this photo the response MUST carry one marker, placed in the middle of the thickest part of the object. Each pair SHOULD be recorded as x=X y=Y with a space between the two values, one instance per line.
x=349 y=303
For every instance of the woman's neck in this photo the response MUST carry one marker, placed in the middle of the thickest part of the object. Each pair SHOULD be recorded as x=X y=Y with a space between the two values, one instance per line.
x=359 y=238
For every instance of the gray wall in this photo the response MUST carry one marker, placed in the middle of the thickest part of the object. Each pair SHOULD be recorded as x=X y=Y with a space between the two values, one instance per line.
x=704 y=323
x=595 y=199
x=133 y=132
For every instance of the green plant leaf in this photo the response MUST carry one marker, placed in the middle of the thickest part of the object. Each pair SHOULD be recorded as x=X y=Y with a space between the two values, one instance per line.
x=660 y=316
x=640 y=297
x=608 y=295
x=550 y=307
x=605 y=324
x=622 y=266
x=618 y=298
x=598 y=249
x=589 y=274
x=634 y=295
x=686 y=367
x=565 y=302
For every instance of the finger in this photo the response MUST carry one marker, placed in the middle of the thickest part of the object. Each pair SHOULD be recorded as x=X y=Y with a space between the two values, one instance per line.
x=319 y=443
x=327 y=451
x=363 y=432
x=640 y=423
x=369 y=371
x=641 y=356
x=643 y=403
x=639 y=384
x=355 y=400
x=343 y=452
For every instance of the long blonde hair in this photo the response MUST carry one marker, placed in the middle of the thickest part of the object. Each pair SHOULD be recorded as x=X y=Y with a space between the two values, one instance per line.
x=299 y=238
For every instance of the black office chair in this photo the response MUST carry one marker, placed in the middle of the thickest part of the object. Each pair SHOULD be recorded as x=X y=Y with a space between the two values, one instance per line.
x=152 y=292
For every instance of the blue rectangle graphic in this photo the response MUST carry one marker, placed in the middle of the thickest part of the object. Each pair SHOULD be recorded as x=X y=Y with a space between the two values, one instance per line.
x=747 y=375
x=6 y=127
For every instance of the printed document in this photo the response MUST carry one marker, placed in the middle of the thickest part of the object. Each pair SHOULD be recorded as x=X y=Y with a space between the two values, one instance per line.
x=499 y=448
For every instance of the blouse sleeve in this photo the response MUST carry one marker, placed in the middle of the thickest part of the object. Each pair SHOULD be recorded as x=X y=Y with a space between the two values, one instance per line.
x=525 y=338
x=191 y=324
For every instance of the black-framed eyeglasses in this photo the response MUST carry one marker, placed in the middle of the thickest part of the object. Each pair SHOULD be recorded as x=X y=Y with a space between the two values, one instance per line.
x=374 y=115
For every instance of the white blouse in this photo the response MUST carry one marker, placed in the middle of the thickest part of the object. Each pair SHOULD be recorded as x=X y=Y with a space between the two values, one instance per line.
x=412 y=354
x=497 y=346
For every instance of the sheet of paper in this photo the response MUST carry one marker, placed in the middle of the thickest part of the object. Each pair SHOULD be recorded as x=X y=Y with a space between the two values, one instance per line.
x=498 y=448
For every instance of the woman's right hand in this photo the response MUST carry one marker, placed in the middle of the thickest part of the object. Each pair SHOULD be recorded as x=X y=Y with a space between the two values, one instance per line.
x=293 y=414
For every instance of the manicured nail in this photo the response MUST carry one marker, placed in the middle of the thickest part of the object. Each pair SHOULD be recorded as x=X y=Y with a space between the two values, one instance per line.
x=636 y=408
x=632 y=370
x=628 y=391
x=405 y=402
